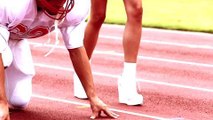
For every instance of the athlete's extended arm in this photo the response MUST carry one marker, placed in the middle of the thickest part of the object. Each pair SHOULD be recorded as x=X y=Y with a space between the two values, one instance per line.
x=82 y=67
x=4 y=109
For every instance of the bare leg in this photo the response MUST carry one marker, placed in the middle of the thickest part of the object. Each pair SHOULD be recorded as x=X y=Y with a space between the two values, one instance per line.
x=133 y=29
x=97 y=17
x=131 y=43
x=82 y=67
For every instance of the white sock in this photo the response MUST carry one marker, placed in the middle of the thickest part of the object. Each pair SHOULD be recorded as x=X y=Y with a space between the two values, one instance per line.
x=129 y=70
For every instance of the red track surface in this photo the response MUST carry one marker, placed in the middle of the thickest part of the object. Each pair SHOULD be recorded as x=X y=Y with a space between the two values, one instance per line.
x=175 y=72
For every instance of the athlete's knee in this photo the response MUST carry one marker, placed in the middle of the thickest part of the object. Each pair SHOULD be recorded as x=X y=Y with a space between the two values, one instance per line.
x=20 y=95
x=18 y=89
x=98 y=18
x=19 y=101
x=135 y=13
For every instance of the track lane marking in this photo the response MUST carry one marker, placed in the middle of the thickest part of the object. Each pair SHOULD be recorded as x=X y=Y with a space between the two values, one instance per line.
x=164 y=31
x=194 y=46
x=139 y=56
x=116 y=76
x=157 y=59
x=84 y=104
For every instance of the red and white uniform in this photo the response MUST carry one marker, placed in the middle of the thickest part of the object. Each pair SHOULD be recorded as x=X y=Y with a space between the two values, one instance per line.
x=20 y=20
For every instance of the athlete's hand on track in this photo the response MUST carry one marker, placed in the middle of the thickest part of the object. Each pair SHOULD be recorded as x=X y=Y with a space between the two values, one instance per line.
x=4 y=111
x=98 y=106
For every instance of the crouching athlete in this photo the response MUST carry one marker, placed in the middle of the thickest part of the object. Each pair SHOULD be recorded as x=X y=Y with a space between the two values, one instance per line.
x=24 y=19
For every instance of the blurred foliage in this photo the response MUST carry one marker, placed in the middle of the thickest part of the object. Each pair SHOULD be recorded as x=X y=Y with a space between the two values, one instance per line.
x=189 y=15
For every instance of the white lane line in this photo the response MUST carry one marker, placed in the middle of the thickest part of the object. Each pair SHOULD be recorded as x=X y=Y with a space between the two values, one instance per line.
x=116 y=76
x=84 y=104
x=157 y=59
x=163 y=31
x=194 y=46
x=139 y=56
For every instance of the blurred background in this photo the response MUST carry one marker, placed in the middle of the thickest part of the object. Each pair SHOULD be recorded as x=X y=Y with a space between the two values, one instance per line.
x=187 y=15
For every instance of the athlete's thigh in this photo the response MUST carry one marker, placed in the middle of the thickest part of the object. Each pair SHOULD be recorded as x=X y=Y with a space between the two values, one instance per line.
x=98 y=7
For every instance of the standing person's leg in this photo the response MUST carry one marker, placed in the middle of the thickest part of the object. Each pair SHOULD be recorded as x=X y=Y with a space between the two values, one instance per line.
x=131 y=42
x=97 y=17
x=19 y=74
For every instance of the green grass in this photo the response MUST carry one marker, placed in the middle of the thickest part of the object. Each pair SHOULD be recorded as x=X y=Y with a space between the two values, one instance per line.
x=189 y=15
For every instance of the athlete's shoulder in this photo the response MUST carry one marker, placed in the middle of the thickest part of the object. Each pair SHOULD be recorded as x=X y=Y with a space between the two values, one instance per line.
x=11 y=9
x=79 y=12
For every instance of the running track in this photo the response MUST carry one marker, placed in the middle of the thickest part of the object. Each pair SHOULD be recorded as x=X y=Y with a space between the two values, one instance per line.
x=175 y=75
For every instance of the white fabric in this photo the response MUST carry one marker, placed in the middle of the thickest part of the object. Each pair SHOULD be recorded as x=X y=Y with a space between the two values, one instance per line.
x=12 y=12
x=79 y=91
x=4 y=48
x=129 y=70
x=73 y=36
x=127 y=86
x=78 y=88
x=4 y=36
x=26 y=22
x=21 y=20
x=19 y=75
x=22 y=56
x=7 y=56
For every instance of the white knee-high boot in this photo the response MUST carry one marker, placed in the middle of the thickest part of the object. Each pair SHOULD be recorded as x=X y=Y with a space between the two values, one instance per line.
x=78 y=88
x=79 y=91
x=127 y=86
